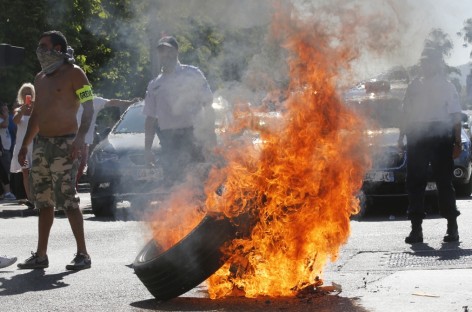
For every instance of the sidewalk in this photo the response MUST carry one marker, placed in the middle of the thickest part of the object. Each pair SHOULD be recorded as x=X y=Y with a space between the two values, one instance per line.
x=420 y=290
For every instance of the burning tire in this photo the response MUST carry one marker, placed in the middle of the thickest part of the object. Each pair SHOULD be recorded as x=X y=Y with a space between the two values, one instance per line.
x=185 y=265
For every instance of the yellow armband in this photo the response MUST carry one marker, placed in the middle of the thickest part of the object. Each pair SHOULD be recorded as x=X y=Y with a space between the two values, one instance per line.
x=85 y=93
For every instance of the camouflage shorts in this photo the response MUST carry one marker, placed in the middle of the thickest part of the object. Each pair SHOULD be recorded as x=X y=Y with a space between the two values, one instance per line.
x=54 y=172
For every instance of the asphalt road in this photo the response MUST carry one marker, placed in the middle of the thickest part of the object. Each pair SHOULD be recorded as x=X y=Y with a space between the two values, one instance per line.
x=377 y=271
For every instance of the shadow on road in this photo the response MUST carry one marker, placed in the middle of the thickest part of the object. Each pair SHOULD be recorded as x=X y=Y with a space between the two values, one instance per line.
x=325 y=303
x=34 y=280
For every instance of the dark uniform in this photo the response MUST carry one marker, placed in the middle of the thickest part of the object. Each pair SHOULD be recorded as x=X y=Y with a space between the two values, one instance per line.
x=431 y=107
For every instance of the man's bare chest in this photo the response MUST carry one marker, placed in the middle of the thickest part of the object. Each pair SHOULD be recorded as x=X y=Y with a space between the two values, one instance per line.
x=54 y=87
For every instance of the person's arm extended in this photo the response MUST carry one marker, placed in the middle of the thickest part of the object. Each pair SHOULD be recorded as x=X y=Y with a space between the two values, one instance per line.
x=31 y=131
x=121 y=104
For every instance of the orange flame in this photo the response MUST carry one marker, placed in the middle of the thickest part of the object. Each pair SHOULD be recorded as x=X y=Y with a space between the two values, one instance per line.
x=297 y=182
x=300 y=182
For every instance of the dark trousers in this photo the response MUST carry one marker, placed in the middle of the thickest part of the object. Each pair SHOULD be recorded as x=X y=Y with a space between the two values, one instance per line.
x=436 y=150
x=178 y=151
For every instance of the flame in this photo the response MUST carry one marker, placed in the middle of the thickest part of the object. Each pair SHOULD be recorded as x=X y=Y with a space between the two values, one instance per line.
x=299 y=182
x=295 y=175
x=178 y=214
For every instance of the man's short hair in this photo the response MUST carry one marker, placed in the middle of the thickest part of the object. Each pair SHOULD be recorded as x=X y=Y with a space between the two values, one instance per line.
x=57 y=38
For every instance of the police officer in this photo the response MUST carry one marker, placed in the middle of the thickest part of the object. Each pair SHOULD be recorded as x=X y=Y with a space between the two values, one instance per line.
x=178 y=108
x=432 y=125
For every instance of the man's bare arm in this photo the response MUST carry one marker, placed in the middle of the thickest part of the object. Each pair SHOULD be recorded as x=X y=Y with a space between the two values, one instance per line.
x=32 y=129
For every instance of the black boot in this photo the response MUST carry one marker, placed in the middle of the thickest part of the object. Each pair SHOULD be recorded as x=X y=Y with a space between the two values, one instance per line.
x=416 y=234
x=452 y=233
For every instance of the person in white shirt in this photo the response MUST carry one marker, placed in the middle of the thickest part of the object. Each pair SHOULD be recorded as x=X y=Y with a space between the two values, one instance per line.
x=98 y=104
x=432 y=125
x=20 y=118
x=178 y=108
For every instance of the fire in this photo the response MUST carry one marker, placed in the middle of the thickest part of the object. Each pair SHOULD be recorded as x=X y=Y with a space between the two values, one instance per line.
x=178 y=214
x=299 y=183
x=294 y=175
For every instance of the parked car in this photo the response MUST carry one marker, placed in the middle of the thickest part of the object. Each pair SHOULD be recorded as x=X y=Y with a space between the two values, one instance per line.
x=463 y=164
x=117 y=169
x=387 y=176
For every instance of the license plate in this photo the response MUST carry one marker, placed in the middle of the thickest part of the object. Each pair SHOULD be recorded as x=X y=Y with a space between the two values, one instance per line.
x=145 y=174
x=380 y=176
x=431 y=186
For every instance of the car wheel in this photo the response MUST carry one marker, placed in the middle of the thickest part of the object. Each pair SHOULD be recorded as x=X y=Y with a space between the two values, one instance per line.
x=171 y=273
x=103 y=206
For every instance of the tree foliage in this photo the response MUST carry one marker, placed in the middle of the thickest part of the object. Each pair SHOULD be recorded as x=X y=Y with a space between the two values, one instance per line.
x=114 y=41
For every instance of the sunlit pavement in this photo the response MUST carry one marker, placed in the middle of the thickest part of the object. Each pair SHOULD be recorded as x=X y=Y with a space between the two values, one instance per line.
x=376 y=269
x=386 y=274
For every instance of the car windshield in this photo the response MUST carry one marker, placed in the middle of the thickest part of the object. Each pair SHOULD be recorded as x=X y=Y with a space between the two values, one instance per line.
x=380 y=112
x=132 y=121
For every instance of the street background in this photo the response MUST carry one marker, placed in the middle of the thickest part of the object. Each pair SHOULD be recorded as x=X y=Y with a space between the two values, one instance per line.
x=376 y=269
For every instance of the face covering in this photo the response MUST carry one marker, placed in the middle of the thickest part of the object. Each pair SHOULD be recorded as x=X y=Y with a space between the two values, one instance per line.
x=50 y=60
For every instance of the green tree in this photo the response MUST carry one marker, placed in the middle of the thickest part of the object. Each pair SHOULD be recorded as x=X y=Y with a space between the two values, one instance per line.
x=114 y=40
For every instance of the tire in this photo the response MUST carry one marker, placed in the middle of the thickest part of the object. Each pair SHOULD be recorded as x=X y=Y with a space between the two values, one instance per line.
x=103 y=206
x=188 y=263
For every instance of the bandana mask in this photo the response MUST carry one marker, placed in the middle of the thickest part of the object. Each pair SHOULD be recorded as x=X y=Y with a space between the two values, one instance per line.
x=50 y=60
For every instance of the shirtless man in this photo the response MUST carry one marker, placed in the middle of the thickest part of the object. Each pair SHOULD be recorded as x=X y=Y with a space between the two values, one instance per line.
x=61 y=87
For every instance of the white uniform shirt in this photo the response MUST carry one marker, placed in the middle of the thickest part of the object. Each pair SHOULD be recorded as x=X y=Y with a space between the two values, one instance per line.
x=431 y=99
x=176 y=98
x=98 y=104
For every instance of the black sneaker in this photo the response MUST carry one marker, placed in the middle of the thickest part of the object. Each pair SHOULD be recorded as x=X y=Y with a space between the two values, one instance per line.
x=34 y=262
x=415 y=237
x=451 y=236
x=80 y=262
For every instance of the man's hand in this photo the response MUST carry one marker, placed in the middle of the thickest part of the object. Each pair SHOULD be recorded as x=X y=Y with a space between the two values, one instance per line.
x=22 y=155
x=77 y=147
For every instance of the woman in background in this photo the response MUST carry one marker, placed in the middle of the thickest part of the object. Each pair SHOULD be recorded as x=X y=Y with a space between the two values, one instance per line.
x=25 y=100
